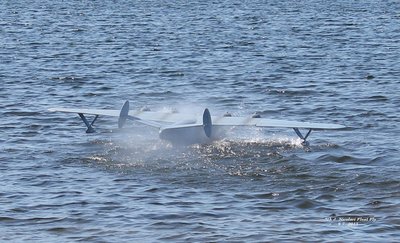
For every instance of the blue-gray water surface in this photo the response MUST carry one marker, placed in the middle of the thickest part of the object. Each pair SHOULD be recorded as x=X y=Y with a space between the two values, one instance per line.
x=320 y=61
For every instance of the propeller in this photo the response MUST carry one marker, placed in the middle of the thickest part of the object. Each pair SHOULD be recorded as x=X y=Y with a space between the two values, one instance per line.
x=123 y=115
x=207 y=123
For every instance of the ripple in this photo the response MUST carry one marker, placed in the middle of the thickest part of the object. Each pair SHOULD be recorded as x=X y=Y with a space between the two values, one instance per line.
x=307 y=204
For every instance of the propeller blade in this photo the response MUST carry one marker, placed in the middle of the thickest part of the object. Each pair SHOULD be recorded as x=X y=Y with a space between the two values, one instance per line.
x=207 y=123
x=123 y=115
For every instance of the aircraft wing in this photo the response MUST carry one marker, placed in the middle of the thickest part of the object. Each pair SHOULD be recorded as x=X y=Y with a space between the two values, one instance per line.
x=263 y=122
x=88 y=111
x=154 y=119
x=178 y=119
x=160 y=117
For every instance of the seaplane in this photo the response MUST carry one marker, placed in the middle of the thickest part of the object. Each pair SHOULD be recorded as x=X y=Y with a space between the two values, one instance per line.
x=176 y=128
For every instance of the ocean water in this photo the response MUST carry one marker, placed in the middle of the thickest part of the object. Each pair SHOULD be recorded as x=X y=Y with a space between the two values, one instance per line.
x=319 y=61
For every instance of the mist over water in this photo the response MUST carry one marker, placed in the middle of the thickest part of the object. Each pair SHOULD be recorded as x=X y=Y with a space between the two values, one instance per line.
x=317 y=61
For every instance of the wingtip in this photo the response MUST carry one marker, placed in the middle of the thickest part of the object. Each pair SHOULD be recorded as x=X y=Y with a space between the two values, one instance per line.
x=339 y=126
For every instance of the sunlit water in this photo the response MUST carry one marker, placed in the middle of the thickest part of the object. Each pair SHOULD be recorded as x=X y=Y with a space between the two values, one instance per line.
x=319 y=61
